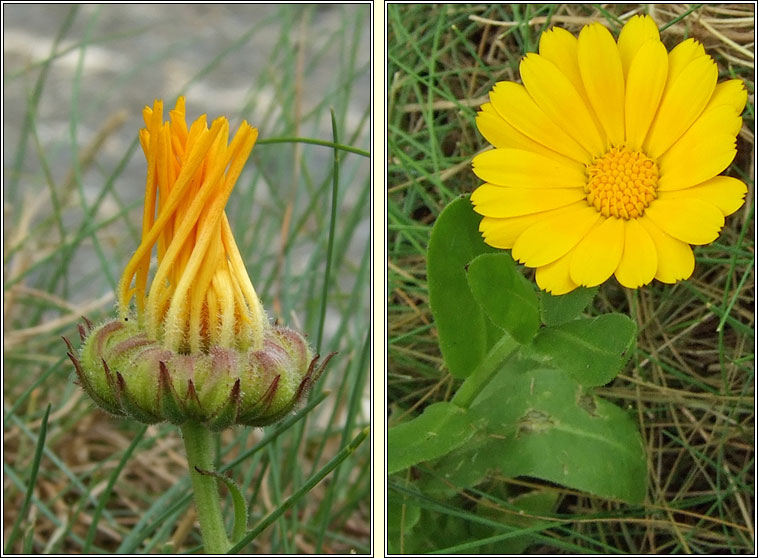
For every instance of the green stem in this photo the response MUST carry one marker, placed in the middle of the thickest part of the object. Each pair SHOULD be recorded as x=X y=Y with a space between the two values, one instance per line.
x=198 y=442
x=483 y=373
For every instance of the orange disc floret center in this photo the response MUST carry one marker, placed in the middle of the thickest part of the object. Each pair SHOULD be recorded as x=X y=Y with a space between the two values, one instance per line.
x=622 y=183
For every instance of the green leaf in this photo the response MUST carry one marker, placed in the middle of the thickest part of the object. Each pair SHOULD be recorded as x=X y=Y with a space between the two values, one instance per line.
x=17 y=530
x=525 y=507
x=541 y=423
x=592 y=350
x=475 y=531
x=238 y=500
x=304 y=489
x=506 y=296
x=438 y=530
x=440 y=429
x=557 y=310
x=477 y=382
x=465 y=332
x=402 y=515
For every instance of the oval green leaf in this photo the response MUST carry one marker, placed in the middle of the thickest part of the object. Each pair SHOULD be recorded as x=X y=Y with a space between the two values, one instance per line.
x=465 y=332
x=441 y=428
x=559 y=309
x=506 y=296
x=543 y=424
x=592 y=350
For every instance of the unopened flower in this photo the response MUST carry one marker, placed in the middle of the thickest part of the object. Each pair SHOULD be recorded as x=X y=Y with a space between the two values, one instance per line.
x=198 y=346
x=607 y=158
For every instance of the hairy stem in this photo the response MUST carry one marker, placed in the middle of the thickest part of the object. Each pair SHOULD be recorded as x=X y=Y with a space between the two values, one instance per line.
x=198 y=443
x=483 y=373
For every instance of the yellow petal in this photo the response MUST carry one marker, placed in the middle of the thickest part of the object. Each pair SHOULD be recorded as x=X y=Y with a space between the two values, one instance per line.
x=637 y=31
x=644 y=88
x=731 y=92
x=559 y=46
x=718 y=119
x=682 y=103
x=603 y=78
x=225 y=295
x=524 y=169
x=142 y=255
x=725 y=192
x=705 y=150
x=212 y=198
x=147 y=113
x=721 y=117
x=499 y=133
x=597 y=256
x=639 y=260
x=144 y=140
x=555 y=278
x=707 y=158
x=199 y=293
x=502 y=233
x=691 y=220
x=552 y=237
x=178 y=122
x=515 y=106
x=258 y=319
x=500 y=201
x=681 y=56
x=675 y=258
x=556 y=96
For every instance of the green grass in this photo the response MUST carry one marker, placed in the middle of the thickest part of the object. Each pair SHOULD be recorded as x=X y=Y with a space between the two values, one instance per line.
x=690 y=382
x=79 y=480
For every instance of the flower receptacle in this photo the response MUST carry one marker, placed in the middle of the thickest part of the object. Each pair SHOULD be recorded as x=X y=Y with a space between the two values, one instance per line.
x=127 y=374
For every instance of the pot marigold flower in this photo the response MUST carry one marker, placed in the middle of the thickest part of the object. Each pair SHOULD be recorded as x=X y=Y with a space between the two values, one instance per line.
x=199 y=346
x=606 y=159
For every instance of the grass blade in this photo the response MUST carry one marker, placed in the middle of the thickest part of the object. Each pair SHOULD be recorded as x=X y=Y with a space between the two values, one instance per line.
x=16 y=531
x=346 y=452
x=107 y=492
x=312 y=141
x=330 y=245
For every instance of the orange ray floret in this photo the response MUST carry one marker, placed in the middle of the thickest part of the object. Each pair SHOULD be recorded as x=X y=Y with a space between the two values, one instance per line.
x=200 y=295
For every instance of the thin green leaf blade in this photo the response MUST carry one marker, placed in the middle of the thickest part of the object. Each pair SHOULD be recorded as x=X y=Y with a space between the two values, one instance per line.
x=465 y=332
x=505 y=295
x=312 y=481
x=16 y=532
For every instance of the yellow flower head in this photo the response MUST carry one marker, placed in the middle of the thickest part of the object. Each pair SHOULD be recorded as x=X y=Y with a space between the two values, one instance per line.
x=200 y=347
x=201 y=295
x=607 y=158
